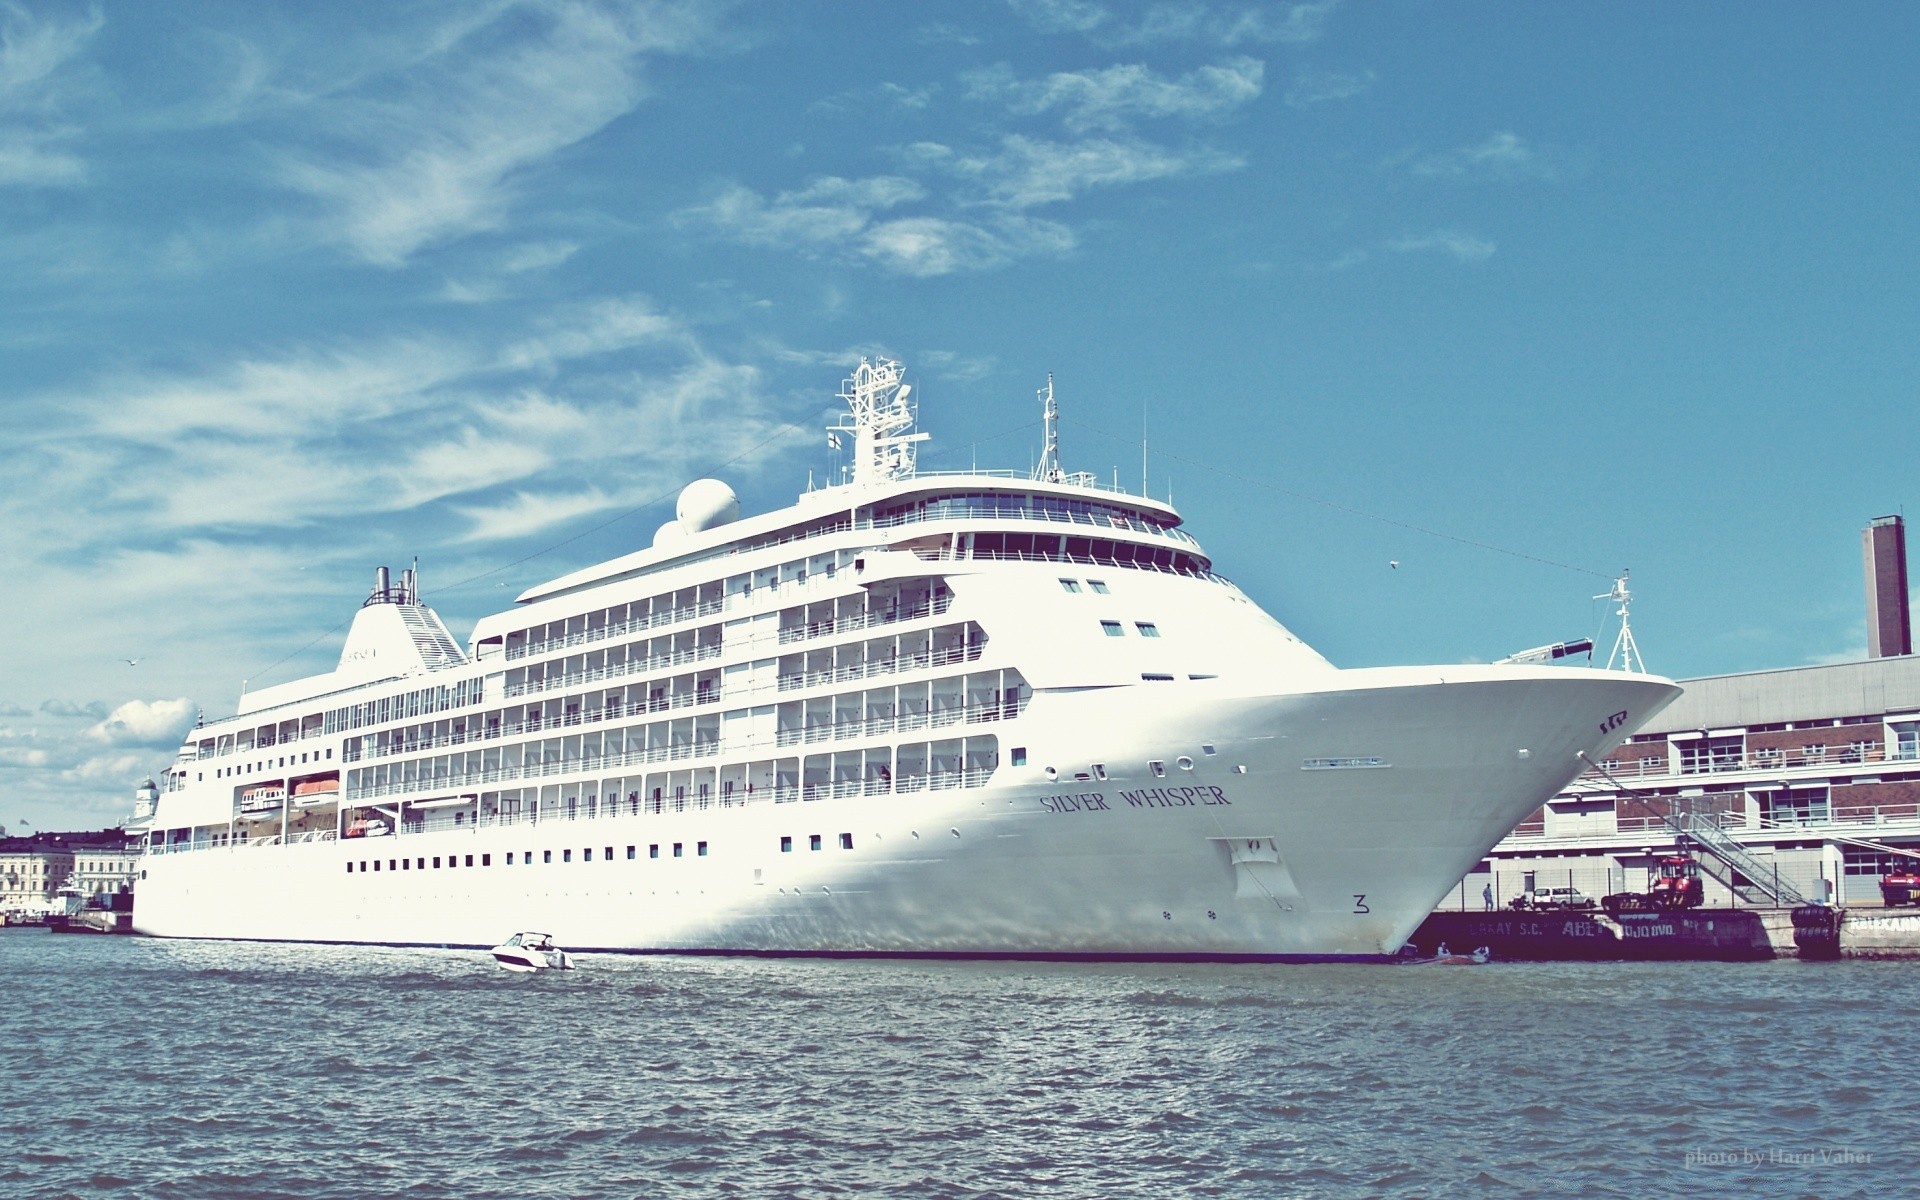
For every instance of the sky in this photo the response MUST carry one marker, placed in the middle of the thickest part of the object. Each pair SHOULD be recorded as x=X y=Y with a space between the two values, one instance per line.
x=1513 y=296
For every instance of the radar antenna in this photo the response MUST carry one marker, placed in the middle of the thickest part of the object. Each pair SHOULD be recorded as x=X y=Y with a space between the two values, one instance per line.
x=1625 y=651
x=1049 y=469
x=881 y=422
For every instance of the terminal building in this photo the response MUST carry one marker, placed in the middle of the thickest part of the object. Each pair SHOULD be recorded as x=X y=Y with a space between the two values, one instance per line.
x=1807 y=778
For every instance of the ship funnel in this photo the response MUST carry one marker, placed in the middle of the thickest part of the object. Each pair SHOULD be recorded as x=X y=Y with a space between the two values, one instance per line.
x=380 y=583
x=406 y=587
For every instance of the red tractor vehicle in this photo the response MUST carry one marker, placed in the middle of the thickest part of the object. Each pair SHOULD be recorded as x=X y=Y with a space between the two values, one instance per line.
x=1675 y=883
x=1902 y=884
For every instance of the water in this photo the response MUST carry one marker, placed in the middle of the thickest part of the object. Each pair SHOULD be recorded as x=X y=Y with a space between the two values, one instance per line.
x=141 y=1068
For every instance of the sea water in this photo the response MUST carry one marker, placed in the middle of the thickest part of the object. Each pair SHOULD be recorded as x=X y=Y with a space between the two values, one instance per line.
x=142 y=1068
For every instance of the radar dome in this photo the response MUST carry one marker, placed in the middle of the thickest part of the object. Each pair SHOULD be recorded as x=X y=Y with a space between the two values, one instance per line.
x=668 y=534
x=706 y=504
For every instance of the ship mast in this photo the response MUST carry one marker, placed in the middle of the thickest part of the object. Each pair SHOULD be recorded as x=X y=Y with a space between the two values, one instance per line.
x=882 y=421
x=1049 y=469
x=1625 y=651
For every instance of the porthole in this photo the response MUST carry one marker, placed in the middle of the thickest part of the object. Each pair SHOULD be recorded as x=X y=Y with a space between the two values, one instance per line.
x=1184 y=763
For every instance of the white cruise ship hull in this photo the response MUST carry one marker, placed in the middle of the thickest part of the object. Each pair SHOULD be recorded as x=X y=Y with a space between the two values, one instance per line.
x=1180 y=821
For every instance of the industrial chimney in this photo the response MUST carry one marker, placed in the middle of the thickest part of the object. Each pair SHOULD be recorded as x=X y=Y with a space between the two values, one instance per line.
x=1889 y=628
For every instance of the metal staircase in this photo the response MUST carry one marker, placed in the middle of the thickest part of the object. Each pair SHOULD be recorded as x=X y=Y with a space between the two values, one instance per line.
x=1728 y=862
x=1744 y=874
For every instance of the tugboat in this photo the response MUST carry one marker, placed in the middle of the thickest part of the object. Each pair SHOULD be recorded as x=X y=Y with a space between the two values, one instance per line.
x=525 y=953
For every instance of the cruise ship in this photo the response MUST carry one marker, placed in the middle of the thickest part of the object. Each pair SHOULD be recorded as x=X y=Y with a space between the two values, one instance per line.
x=975 y=714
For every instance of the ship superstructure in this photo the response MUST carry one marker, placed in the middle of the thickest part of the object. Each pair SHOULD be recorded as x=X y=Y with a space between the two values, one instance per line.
x=973 y=714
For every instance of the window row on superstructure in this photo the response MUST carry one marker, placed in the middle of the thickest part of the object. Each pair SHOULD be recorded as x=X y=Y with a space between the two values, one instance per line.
x=925 y=704
x=1086 y=551
x=963 y=760
x=1020 y=506
x=907 y=652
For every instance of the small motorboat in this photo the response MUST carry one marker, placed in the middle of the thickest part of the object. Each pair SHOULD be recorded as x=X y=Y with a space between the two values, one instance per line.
x=529 y=952
x=1443 y=957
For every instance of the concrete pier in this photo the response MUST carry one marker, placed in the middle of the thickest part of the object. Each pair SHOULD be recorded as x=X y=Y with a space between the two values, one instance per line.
x=1698 y=934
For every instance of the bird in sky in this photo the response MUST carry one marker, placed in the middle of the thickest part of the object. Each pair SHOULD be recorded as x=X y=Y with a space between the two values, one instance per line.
x=1393 y=564
x=132 y=662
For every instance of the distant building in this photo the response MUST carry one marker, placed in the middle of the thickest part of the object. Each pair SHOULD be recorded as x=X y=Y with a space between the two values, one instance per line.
x=33 y=869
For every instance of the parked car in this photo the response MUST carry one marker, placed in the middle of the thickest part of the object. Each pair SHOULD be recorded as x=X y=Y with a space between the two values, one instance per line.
x=1552 y=899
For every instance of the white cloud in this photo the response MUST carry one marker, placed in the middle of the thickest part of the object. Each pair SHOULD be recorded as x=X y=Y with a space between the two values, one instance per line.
x=1113 y=98
x=525 y=513
x=42 y=76
x=935 y=246
x=153 y=724
x=1062 y=16
x=1226 y=24
x=67 y=708
x=1502 y=156
x=537 y=256
x=1315 y=87
x=435 y=150
x=1461 y=247
x=1025 y=172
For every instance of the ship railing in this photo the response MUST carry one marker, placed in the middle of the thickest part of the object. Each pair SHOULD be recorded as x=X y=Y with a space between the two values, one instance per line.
x=672 y=616
x=869 y=620
x=1762 y=758
x=835 y=731
x=610 y=712
x=880 y=666
x=638 y=666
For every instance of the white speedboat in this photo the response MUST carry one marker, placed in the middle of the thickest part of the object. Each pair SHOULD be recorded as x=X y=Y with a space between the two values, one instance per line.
x=528 y=952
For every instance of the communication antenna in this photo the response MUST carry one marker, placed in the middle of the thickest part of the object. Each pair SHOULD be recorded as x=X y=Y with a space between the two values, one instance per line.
x=1625 y=651
x=1049 y=469
x=880 y=422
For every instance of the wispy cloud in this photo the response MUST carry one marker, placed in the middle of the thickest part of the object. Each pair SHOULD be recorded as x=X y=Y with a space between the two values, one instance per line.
x=1501 y=157
x=1225 y=24
x=1114 y=98
x=41 y=74
x=1316 y=87
x=1450 y=243
x=1461 y=247
x=1024 y=172
x=436 y=150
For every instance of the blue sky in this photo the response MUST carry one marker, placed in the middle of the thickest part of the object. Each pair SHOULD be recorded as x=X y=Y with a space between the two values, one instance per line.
x=1513 y=295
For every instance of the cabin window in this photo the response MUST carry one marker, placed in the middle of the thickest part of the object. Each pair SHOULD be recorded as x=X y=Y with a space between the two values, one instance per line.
x=1112 y=629
x=1019 y=754
x=566 y=856
x=1099 y=770
x=609 y=857
x=349 y=868
x=1147 y=628
x=486 y=860
x=813 y=841
x=546 y=856
x=786 y=845
x=632 y=853
x=587 y=854
x=509 y=858
x=420 y=864
x=1207 y=748
x=1071 y=585
x=653 y=851
x=376 y=866
x=700 y=849
x=469 y=860
x=436 y=862
x=677 y=850
x=846 y=841
x=1099 y=586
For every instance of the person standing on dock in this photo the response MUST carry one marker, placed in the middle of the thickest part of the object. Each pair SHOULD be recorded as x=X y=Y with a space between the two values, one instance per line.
x=1486 y=895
